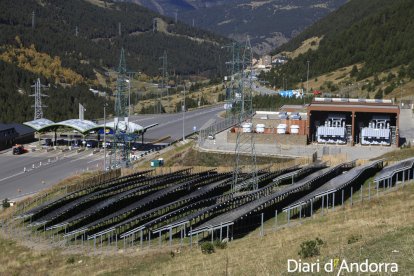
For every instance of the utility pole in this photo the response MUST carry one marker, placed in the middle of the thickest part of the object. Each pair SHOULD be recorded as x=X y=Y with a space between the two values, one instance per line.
x=154 y=25
x=105 y=105
x=164 y=79
x=129 y=96
x=176 y=16
x=119 y=29
x=303 y=93
x=33 y=19
x=76 y=31
x=183 y=108
x=307 y=79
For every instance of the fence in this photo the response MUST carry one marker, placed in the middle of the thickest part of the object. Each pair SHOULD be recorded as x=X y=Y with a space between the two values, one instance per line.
x=220 y=126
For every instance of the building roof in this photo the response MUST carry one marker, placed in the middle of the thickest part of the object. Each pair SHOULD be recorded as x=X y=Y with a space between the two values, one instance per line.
x=5 y=126
x=346 y=104
x=39 y=123
x=22 y=129
x=83 y=126
x=132 y=127
x=77 y=124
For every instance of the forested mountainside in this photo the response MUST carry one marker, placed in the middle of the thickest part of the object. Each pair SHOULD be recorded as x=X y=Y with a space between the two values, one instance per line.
x=269 y=24
x=376 y=34
x=73 y=44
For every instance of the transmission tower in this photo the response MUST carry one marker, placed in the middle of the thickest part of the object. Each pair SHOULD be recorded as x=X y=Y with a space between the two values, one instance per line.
x=38 y=114
x=123 y=137
x=164 y=79
x=239 y=103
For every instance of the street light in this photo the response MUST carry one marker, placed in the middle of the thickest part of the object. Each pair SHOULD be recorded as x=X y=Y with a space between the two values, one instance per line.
x=183 y=109
x=105 y=105
x=129 y=97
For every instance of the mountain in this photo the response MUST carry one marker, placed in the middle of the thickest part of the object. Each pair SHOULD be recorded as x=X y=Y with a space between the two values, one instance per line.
x=370 y=41
x=73 y=45
x=269 y=24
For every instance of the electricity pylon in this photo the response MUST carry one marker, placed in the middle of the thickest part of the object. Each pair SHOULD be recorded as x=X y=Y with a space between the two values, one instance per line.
x=38 y=107
x=239 y=101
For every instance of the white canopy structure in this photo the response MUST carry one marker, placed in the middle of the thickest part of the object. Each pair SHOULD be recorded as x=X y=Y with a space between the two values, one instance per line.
x=85 y=126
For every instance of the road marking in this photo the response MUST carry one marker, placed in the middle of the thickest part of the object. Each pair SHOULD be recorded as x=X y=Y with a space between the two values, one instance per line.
x=8 y=177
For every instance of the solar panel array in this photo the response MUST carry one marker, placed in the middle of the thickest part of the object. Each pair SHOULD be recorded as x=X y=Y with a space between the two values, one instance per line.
x=142 y=202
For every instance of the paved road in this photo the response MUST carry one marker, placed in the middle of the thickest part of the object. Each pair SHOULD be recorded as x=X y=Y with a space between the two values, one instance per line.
x=265 y=91
x=31 y=172
x=172 y=124
x=51 y=167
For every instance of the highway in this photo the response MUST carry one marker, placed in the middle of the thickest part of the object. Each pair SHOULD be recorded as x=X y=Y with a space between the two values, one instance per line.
x=264 y=90
x=51 y=167
x=172 y=124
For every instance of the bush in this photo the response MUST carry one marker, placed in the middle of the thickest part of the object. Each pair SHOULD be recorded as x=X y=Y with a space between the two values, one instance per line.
x=207 y=248
x=354 y=238
x=378 y=95
x=70 y=260
x=388 y=89
x=219 y=244
x=310 y=248
x=6 y=203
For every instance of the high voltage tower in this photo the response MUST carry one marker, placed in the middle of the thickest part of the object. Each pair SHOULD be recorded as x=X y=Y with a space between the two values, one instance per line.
x=123 y=137
x=239 y=103
x=164 y=80
x=38 y=113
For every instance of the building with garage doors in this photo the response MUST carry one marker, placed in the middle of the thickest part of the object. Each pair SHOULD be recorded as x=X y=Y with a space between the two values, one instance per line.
x=353 y=121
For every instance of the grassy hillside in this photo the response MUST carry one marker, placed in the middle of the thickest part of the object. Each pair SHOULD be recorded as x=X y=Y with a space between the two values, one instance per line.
x=381 y=230
x=377 y=38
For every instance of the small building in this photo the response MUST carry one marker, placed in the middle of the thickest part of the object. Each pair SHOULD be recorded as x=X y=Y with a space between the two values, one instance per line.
x=7 y=136
x=11 y=134
x=353 y=121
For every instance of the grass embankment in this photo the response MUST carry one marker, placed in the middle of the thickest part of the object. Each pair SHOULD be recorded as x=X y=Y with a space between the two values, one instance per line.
x=185 y=155
x=381 y=230
x=398 y=155
x=193 y=157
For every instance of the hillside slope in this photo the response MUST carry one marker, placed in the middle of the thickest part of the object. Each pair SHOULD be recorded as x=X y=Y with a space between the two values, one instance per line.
x=379 y=39
x=381 y=230
x=269 y=24
x=74 y=44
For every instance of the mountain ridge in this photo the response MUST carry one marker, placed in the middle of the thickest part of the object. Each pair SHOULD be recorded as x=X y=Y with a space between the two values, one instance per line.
x=269 y=24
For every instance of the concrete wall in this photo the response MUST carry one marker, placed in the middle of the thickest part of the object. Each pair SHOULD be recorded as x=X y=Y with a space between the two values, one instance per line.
x=278 y=139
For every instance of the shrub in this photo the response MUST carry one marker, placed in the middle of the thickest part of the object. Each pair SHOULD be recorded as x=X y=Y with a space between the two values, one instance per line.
x=207 y=248
x=310 y=248
x=353 y=238
x=219 y=244
x=6 y=203
x=388 y=89
x=70 y=260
